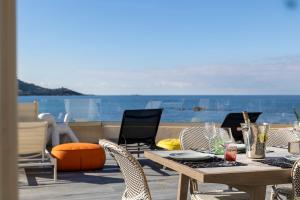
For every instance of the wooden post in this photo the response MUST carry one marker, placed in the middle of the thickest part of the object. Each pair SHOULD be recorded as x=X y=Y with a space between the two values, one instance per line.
x=8 y=93
x=183 y=185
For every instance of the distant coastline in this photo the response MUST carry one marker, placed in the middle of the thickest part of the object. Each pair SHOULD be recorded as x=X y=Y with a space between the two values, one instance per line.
x=30 y=89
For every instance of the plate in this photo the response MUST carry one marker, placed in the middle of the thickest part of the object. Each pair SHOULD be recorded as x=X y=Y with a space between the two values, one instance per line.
x=190 y=156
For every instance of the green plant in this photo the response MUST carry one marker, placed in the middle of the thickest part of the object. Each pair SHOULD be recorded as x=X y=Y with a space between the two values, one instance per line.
x=296 y=114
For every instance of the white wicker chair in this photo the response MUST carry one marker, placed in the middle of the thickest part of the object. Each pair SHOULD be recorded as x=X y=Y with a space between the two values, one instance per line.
x=193 y=138
x=280 y=137
x=134 y=177
x=136 y=182
x=289 y=192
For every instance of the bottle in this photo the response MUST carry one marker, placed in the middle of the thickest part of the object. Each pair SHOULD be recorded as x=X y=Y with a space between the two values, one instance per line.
x=246 y=118
x=246 y=129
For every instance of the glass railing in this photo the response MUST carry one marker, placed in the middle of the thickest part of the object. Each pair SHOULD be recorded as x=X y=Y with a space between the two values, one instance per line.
x=275 y=109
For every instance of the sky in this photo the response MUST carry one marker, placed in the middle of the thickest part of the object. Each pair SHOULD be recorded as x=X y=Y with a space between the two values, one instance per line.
x=163 y=47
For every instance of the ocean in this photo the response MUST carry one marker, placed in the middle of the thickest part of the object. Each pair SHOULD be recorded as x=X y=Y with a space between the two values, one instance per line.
x=275 y=109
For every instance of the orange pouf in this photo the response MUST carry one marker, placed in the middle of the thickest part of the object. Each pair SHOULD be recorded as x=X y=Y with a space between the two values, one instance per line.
x=79 y=156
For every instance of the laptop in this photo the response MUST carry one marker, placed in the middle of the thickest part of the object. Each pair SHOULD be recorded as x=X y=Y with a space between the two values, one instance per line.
x=234 y=120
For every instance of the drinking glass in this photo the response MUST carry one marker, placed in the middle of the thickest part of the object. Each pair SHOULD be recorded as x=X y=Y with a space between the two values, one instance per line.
x=296 y=125
x=230 y=153
x=294 y=149
x=223 y=137
x=210 y=133
x=226 y=135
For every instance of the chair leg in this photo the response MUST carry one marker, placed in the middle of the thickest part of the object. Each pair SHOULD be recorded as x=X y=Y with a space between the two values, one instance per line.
x=55 y=138
x=71 y=135
x=55 y=172
x=230 y=188
x=273 y=196
x=138 y=153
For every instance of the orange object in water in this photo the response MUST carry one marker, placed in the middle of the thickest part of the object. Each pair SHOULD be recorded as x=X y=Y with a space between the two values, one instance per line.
x=79 y=156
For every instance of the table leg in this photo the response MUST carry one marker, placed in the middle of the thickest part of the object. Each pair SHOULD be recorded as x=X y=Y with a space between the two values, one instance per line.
x=258 y=192
x=255 y=192
x=183 y=186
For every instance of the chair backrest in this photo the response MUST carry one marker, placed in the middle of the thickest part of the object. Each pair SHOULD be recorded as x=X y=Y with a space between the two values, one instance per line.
x=139 y=126
x=193 y=138
x=48 y=117
x=32 y=137
x=296 y=179
x=134 y=177
x=52 y=126
x=28 y=111
x=281 y=137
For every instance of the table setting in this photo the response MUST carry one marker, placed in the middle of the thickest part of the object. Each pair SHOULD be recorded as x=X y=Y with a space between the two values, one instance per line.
x=250 y=165
x=223 y=150
x=220 y=142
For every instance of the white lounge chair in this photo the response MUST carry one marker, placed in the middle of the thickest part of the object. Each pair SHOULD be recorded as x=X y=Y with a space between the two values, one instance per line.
x=32 y=146
x=57 y=129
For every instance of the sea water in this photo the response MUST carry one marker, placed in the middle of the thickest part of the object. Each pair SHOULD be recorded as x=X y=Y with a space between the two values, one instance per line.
x=193 y=108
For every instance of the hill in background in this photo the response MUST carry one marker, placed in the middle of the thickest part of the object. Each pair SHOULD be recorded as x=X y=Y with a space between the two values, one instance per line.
x=26 y=89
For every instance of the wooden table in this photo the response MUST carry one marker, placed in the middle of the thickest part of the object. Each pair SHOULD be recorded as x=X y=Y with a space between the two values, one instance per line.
x=252 y=178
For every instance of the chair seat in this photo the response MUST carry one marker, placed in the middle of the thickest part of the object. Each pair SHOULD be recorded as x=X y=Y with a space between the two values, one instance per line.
x=220 y=195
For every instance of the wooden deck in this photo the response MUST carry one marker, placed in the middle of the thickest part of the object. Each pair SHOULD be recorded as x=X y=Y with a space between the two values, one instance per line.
x=107 y=184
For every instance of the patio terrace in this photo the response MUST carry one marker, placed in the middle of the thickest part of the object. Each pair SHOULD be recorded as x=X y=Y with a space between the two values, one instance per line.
x=106 y=184
x=36 y=184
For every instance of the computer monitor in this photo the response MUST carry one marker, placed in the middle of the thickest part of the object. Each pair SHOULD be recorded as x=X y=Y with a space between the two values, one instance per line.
x=234 y=120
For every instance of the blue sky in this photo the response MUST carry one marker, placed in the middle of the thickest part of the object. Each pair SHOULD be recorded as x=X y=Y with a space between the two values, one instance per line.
x=160 y=46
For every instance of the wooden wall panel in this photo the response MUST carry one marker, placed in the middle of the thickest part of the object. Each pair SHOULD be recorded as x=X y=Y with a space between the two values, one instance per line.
x=93 y=131
x=8 y=104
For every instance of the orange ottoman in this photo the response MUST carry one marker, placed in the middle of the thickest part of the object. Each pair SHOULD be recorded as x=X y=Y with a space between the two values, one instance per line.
x=79 y=156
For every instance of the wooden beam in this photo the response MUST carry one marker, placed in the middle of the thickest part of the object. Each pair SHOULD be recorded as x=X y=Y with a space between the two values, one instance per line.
x=8 y=93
